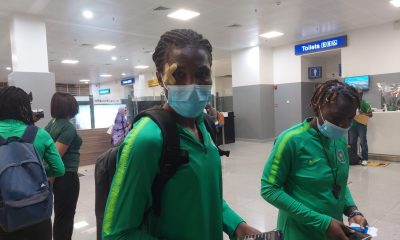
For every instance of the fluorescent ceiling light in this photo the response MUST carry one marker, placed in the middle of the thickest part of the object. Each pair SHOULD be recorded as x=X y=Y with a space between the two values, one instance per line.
x=126 y=59
x=104 y=47
x=114 y=58
x=252 y=44
x=105 y=75
x=141 y=67
x=8 y=68
x=87 y=14
x=84 y=80
x=395 y=3
x=69 y=61
x=123 y=74
x=271 y=34
x=183 y=14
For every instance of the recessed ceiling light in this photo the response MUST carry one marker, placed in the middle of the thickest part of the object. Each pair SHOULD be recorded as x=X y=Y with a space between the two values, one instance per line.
x=69 y=61
x=123 y=74
x=114 y=58
x=126 y=59
x=8 y=68
x=141 y=67
x=104 y=47
x=252 y=44
x=271 y=34
x=105 y=75
x=183 y=14
x=87 y=14
x=84 y=80
x=395 y=3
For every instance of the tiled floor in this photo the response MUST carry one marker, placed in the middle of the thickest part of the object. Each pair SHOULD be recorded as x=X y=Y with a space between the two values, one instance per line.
x=375 y=189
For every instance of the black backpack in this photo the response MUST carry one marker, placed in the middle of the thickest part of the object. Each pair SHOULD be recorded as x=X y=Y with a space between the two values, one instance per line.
x=172 y=157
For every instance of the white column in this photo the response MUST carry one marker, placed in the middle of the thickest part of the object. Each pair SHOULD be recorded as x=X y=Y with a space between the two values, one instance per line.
x=28 y=44
x=30 y=62
x=253 y=94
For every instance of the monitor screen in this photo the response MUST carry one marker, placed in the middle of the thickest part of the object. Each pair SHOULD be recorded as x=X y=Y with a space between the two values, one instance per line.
x=359 y=82
x=314 y=72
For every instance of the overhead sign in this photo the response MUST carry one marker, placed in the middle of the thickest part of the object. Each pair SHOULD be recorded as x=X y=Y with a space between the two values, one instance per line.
x=104 y=91
x=152 y=83
x=314 y=72
x=128 y=81
x=321 y=45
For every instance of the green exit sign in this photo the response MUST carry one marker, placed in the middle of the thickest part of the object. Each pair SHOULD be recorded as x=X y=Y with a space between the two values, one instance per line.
x=104 y=91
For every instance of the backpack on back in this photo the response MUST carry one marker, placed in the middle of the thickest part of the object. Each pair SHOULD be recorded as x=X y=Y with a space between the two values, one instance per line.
x=25 y=195
x=172 y=157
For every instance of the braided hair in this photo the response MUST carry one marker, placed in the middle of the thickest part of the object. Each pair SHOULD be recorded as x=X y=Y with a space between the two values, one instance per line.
x=329 y=91
x=15 y=104
x=179 y=38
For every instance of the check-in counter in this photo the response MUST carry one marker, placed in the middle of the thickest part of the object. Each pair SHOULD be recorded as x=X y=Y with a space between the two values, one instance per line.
x=383 y=135
x=94 y=143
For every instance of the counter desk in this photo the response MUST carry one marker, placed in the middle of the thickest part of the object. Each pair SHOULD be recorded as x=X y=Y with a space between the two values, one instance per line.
x=383 y=135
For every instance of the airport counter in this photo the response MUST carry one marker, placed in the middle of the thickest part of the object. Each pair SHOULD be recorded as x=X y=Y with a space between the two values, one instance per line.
x=383 y=136
x=94 y=143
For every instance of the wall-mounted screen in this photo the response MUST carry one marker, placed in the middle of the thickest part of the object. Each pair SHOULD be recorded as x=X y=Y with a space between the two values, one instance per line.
x=314 y=72
x=359 y=82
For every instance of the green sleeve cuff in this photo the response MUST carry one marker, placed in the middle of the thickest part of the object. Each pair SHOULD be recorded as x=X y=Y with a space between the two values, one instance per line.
x=326 y=222
x=230 y=221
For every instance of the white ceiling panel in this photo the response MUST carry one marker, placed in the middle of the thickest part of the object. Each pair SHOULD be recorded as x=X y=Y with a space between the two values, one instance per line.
x=134 y=28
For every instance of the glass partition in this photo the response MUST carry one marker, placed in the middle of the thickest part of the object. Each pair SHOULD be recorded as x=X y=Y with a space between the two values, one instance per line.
x=104 y=115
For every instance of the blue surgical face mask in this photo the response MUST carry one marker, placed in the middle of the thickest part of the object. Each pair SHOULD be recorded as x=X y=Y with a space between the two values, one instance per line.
x=330 y=130
x=189 y=100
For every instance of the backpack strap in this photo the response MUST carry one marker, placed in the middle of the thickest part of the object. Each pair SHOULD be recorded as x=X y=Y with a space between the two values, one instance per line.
x=210 y=126
x=29 y=134
x=172 y=157
x=2 y=141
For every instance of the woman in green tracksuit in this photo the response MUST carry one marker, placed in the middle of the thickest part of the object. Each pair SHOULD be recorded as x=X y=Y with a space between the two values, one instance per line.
x=307 y=171
x=192 y=206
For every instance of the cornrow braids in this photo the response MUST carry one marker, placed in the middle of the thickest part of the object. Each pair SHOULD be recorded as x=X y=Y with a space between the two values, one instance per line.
x=329 y=91
x=15 y=104
x=179 y=38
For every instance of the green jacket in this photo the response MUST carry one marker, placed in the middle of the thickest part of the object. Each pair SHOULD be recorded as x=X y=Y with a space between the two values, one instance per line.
x=43 y=144
x=192 y=206
x=298 y=180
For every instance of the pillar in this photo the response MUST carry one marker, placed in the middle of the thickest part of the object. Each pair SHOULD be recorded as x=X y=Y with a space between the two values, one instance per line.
x=30 y=62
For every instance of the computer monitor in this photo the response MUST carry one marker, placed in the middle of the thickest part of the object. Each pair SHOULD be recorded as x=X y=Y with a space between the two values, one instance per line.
x=359 y=82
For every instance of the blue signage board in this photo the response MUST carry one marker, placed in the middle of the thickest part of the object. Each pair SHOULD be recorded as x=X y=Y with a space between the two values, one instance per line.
x=314 y=72
x=128 y=81
x=104 y=91
x=321 y=45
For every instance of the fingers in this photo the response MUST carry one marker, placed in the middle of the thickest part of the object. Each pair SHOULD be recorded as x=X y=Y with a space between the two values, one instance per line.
x=347 y=231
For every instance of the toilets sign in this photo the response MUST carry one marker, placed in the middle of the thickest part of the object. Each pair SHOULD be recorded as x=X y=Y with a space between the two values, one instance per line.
x=321 y=45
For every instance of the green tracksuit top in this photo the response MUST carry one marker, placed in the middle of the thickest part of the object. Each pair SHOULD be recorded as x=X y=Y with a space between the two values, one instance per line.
x=43 y=144
x=298 y=180
x=192 y=206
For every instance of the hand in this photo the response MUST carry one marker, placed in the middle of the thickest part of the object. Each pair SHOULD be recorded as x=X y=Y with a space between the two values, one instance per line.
x=360 y=220
x=337 y=230
x=51 y=180
x=245 y=229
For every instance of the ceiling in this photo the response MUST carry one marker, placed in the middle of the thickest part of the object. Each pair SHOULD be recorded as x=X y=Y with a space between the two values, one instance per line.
x=134 y=27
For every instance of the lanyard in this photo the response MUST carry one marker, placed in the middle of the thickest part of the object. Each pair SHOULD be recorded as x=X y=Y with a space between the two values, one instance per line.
x=334 y=168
